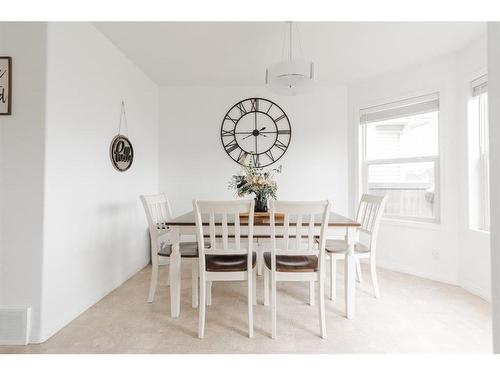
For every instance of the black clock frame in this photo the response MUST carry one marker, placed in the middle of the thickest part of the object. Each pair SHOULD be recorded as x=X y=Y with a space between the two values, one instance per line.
x=226 y=116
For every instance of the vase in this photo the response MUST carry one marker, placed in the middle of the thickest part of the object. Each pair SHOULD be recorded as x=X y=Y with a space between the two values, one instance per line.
x=260 y=204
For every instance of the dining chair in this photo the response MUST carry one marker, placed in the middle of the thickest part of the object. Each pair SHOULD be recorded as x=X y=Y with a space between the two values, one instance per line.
x=227 y=257
x=157 y=209
x=369 y=215
x=298 y=257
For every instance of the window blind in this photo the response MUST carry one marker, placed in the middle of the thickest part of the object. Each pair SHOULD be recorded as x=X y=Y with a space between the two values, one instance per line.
x=480 y=85
x=401 y=108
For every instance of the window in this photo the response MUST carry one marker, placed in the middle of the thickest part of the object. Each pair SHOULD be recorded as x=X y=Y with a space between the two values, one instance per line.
x=400 y=156
x=479 y=179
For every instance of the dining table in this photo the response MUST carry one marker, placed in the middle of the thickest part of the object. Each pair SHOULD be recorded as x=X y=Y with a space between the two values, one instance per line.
x=185 y=225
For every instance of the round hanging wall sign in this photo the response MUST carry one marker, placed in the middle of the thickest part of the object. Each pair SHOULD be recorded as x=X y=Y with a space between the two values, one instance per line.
x=121 y=153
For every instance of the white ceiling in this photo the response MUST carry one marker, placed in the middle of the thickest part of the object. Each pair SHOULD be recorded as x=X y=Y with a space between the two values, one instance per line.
x=237 y=53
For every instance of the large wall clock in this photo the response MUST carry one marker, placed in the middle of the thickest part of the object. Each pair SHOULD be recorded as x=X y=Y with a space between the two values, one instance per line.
x=256 y=128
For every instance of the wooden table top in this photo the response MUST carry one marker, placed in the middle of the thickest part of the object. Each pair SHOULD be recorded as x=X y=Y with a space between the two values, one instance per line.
x=187 y=219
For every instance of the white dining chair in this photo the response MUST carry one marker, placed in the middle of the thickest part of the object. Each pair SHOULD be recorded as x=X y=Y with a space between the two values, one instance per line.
x=297 y=256
x=157 y=209
x=227 y=257
x=369 y=215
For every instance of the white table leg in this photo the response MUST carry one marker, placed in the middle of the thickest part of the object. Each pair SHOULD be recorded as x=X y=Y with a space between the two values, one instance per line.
x=350 y=273
x=175 y=276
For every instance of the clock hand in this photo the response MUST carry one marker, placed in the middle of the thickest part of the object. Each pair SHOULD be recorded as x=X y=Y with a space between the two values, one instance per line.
x=252 y=133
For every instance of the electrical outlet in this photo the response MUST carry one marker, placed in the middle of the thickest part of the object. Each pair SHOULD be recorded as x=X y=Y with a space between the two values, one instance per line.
x=435 y=254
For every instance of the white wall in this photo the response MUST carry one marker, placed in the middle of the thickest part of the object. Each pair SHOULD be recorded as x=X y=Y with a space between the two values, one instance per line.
x=193 y=163
x=408 y=247
x=21 y=170
x=494 y=118
x=94 y=226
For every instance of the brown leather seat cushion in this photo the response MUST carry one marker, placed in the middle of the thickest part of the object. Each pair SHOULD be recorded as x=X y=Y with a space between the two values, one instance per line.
x=293 y=263
x=187 y=249
x=228 y=263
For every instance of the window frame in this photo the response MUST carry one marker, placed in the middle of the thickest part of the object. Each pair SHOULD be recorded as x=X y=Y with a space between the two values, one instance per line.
x=435 y=159
x=483 y=222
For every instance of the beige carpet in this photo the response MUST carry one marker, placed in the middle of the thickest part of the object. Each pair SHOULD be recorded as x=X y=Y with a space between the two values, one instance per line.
x=412 y=315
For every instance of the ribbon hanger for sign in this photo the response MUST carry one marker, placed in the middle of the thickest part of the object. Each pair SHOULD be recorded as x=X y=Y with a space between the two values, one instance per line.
x=123 y=117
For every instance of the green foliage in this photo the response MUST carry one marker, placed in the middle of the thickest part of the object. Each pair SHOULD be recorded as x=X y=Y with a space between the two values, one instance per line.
x=255 y=180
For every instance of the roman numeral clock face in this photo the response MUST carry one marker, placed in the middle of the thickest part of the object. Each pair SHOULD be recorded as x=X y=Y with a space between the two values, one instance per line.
x=256 y=128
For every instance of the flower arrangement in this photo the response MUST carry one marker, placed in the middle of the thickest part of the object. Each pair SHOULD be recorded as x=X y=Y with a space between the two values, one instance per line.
x=256 y=181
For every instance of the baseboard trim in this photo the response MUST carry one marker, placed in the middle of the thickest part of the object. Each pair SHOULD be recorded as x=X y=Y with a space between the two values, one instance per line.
x=476 y=290
x=465 y=285
x=425 y=275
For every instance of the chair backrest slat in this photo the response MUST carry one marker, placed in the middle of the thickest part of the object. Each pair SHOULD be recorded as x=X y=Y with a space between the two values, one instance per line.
x=370 y=211
x=222 y=217
x=224 y=231
x=237 y=231
x=296 y=213
x=286 y=231
x=158 y=213
x=298 y=232
x=311 y=232
x=213 y=243
x=157 y=209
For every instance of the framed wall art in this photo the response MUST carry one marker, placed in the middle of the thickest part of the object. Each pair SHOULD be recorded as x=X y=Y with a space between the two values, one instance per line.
x=5 y=85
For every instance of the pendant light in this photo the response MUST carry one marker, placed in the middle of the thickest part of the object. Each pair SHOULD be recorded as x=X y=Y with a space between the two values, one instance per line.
x=292 y=76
